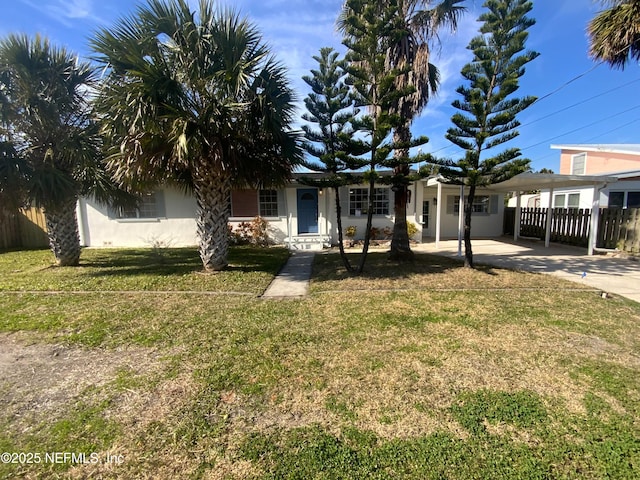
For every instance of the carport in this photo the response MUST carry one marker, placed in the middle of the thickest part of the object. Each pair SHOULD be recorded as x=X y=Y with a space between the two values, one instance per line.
x=551 y=181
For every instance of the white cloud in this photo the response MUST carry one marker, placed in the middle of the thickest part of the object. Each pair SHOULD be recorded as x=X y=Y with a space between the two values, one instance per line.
x=66 y=12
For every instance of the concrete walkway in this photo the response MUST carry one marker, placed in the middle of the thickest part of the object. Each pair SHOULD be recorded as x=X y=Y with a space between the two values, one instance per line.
x=617 y=275
x=293 y=280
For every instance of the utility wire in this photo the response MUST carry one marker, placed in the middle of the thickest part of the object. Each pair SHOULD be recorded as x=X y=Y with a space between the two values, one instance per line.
x=580 y=103
x=581 y=128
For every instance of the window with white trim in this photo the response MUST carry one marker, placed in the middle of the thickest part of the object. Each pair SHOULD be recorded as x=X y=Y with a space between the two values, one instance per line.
x=359 y=201
x=268 y=203
x=579 y=164
x=566 y=200
x=480 y=204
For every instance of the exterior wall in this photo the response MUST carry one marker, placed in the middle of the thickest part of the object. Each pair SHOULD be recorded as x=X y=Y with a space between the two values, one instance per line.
x=600 y=162
x=586 y=193
x=177 y=228
x=482 y=224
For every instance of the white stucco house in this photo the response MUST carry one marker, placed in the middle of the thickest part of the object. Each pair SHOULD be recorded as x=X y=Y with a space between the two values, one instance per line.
x=299 y=216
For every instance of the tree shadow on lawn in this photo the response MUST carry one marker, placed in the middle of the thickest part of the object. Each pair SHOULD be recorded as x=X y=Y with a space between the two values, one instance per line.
x=329 y=267
x=177 y=261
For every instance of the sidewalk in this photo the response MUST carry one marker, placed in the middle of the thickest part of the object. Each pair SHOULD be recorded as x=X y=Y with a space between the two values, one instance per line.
x=617 y=275
x=293 y=280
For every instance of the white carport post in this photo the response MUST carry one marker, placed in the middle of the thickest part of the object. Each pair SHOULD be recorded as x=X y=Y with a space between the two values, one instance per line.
x=595 y=218
x=438 y=214
x=547 y=235
x=460 y=220
x=516 y=227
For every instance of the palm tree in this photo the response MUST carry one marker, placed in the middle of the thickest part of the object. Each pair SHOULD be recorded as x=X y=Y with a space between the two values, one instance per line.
x=50 y=147
x=412 y=54
x=195 y=99
x=614 y=33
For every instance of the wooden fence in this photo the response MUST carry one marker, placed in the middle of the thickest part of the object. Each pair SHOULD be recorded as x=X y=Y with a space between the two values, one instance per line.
x=23 y=229
x=568 y=225
x=617 y=228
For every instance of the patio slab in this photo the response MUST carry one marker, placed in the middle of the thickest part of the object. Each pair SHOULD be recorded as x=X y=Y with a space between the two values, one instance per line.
x=619 y=275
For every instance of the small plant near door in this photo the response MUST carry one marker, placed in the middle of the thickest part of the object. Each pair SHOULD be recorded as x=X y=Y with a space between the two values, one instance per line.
x=350 y=233
x=412 y=229
x=255 y=232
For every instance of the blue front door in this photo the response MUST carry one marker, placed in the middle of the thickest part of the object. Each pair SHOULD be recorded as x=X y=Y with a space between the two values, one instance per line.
x=307 y=210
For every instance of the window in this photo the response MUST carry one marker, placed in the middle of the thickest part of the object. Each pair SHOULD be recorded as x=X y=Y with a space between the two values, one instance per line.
x=573 y=200
x=624 y=199
x=633 y=199
x=558 y=200
x=147 y=208
x=566 y=200
x=480 y=204
x=578 y=164
x=251 y=203
x=268 y=203
x=616 y=199
x=358 y=201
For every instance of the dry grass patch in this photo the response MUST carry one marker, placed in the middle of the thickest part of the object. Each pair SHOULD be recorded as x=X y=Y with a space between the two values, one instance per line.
x=427 y=272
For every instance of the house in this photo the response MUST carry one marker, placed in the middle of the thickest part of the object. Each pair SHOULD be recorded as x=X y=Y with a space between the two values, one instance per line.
x=621 y=161
x=299 y=216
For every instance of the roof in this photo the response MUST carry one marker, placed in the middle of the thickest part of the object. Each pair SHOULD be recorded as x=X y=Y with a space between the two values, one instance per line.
x=625 y=148
x=538 y=181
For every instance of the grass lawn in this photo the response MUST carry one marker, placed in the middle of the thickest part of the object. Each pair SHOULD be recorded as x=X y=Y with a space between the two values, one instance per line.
x=431 y=371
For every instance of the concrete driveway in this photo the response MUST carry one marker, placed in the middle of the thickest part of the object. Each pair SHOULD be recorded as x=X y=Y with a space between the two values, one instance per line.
x=614 y=274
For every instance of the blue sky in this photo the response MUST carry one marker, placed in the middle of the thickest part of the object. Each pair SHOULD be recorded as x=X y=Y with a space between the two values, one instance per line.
x=601 y=106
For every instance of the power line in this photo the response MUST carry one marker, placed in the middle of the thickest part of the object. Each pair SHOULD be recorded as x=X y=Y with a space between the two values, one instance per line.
x=581 y=128
x=613 y=130
x=580 y=103
x=567 y=83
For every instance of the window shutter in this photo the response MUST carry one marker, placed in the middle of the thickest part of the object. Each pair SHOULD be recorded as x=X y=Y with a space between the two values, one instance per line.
x=392 y=202
x=578 y=164
x=244 y=203
x=161 y=209
x=493 y=204
x=282 y=203
x=344 y=200
x=451 y=200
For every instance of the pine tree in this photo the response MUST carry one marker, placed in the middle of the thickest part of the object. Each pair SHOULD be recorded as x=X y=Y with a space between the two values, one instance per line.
x=487 y=116
x=371 y=29
x=330 y=108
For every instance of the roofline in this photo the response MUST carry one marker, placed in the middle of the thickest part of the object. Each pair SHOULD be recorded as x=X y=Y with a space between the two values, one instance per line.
x=597 y=148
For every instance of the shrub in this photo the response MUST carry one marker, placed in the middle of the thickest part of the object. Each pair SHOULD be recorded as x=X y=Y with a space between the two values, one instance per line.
x=412 y=229
x=255 y=232
x=350 y=231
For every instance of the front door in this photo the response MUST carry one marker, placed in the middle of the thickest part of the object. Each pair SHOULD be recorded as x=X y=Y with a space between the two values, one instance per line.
x=307 y=210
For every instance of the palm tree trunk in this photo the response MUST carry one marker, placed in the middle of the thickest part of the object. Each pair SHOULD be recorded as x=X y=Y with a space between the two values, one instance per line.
x=345 y=259
x=62 y=228
x=213 y=194
x=400 y=248
x=468 y=210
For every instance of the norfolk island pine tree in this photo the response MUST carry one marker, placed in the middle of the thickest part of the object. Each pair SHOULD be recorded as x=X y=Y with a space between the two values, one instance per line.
x=370 y=29
x=487 y=116
x=330 y=107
